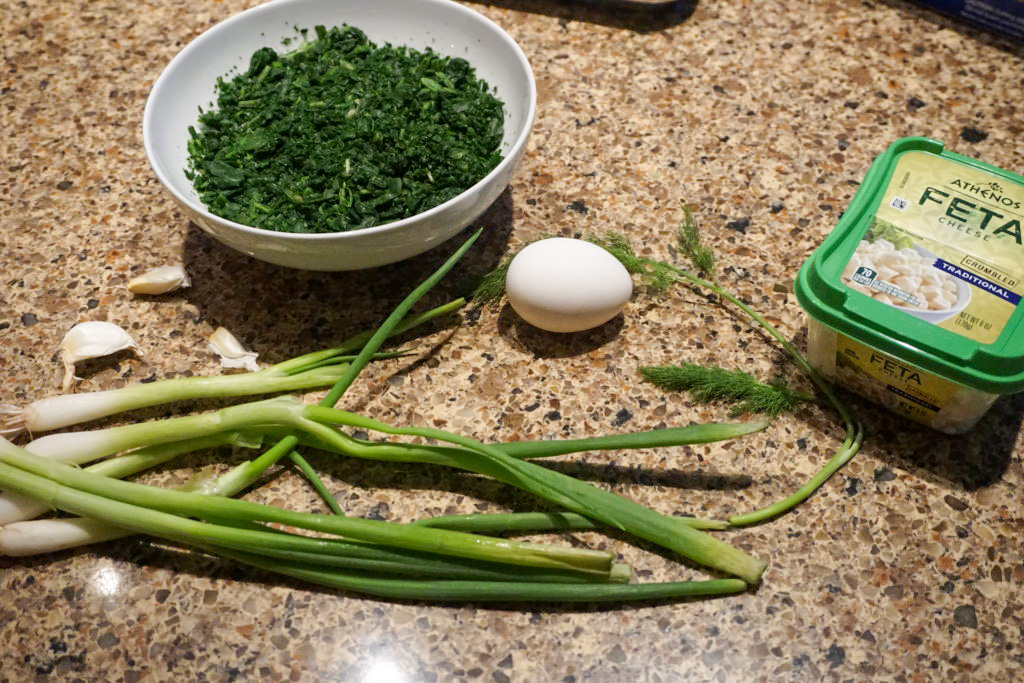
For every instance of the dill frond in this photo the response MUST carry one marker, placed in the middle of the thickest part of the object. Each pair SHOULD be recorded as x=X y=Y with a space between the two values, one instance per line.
x=713 y=383
x=491 y=285
x=654 y=274
x=659 y=276
x=618 y=246
x=702 y=256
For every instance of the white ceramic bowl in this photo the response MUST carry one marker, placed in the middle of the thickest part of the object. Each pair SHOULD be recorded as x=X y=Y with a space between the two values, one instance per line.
x=448 y=28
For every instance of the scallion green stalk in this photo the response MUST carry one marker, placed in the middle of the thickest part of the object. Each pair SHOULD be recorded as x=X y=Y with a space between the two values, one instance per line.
x=660 y=275
x=315 y=481
x=544 y=448
x=155 y=511
x=577 y=496
x=15 y=508
x=494 y=591
x=40 y=536
x=502 y=522
x=86 y=446
x=854 y=431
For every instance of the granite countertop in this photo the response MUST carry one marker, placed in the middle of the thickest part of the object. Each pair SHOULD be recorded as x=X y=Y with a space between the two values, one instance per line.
x=906 y=565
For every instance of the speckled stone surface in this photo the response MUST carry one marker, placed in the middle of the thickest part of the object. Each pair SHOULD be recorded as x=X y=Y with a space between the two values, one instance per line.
x=906 y=566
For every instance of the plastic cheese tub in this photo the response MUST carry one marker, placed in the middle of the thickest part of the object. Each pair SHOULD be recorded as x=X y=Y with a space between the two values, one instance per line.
x=914 y=298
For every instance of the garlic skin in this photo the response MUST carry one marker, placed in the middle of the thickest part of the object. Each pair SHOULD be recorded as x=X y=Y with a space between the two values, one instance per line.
x=232 y=353
x=92 y=339
x=160 y=280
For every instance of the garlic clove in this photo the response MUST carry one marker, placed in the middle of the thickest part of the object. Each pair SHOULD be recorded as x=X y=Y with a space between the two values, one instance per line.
x=92 y=339
x=232 y=353
x=160 y=280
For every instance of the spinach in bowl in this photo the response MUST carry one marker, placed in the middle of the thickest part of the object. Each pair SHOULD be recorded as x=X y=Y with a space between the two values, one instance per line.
x=341 y=134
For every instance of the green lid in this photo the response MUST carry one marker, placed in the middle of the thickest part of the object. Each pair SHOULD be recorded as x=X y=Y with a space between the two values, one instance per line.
x=927 y=265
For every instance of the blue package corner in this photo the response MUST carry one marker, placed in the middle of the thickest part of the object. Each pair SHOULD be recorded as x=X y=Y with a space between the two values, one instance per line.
x=1004 y=17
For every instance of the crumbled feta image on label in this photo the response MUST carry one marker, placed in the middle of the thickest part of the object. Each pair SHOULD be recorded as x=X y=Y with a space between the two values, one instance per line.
x=904 y=277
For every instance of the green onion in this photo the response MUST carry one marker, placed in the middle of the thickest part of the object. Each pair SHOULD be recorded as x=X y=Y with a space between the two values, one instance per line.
x=311 y=370
x=155 y=511
x=492 y=523
x=671 y=436
x=494 y=591
x=285 y=416
x=87 y=446
x=575 y=495
x=370 y=556
x=15 y=508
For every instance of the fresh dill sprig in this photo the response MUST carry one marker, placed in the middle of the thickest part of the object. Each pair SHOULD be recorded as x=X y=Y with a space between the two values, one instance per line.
x=653 y=274
x=703 y=260
x=491 y=285
x=713 y=383
x=703 y=257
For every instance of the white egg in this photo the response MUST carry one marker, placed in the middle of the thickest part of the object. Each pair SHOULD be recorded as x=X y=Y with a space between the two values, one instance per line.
x=566 y=285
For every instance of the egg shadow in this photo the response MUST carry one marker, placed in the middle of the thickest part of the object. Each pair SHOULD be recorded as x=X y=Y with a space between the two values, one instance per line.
x=287 y=312
x=544 y=344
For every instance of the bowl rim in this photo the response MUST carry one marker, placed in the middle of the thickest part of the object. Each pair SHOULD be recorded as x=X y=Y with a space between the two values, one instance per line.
x=212 y=33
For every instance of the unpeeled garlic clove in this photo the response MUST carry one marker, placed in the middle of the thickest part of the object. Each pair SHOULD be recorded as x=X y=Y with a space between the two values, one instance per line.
x=232 y=353
x=160 y=280
x=92 y=339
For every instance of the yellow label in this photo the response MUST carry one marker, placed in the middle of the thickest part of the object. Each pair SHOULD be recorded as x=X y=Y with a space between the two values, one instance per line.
x=945 y=246
x=902 y=388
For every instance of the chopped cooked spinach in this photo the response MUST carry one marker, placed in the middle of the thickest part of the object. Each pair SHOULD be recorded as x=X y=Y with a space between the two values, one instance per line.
x=342 y=134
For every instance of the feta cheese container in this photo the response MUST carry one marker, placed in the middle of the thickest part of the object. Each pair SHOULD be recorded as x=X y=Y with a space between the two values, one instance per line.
x=914 y=298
